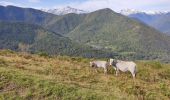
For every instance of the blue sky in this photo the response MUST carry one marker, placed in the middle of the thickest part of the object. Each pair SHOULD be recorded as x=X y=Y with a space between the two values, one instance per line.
x=38 y=3
x=91 y=5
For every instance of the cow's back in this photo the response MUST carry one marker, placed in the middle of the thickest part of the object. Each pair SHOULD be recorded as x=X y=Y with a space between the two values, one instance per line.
x=100 y=63
x=126 y=65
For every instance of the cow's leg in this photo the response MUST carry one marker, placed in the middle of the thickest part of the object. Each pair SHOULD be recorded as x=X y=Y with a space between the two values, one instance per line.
x=96 y=70
x=133 y=75
x=117 y=71
x=133 y=72
x=105 y=70
x=95 y=67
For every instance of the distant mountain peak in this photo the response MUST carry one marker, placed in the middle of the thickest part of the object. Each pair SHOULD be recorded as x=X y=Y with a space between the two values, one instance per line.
x=130 y=11
x=106 y=9
x=133 y=11
x=65 y=10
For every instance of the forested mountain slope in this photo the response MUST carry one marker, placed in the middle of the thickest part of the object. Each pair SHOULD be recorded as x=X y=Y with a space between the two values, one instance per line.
x=107 y=29
x=33 y=38
x=103 y=29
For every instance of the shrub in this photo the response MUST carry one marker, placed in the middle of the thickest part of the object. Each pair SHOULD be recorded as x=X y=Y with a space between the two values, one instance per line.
x=43 y=54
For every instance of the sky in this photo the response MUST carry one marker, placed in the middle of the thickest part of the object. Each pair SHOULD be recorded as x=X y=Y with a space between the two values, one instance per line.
x=92 y=5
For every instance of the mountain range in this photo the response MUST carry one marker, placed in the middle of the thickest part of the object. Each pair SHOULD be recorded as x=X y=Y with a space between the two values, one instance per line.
x=157 y=20
x=99 y=33
x=65 y=10
x=160 y=22
x=133 y=11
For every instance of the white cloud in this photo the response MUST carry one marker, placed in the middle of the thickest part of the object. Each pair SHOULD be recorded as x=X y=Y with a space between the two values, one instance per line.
x=34 y=1
x=117 y=5
x=5 y=3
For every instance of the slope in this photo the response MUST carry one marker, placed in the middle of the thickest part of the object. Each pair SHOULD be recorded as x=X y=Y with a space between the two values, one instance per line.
x=65 y=23
x=160 y=22
x=107 y=29
x=25 y=76
x=27 y=15
x=32 y=38
x=58 y=24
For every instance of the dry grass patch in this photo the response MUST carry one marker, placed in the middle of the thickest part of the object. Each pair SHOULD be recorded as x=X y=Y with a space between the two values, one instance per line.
x=62 y=77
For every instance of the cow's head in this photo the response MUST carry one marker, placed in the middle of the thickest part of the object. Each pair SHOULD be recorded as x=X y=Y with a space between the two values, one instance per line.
x=113 y=62
x=92 y=64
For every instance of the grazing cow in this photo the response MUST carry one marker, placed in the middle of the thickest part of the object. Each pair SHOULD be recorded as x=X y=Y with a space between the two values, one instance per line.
x=123 y=66
x=97 y=64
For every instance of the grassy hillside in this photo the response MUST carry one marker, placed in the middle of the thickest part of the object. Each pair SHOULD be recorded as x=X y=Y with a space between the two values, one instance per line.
x=32 y=38
x=25 y=76
x=107 y=29
x=64 y=24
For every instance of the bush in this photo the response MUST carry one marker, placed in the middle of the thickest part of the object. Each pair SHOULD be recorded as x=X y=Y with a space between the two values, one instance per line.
x=43 y=54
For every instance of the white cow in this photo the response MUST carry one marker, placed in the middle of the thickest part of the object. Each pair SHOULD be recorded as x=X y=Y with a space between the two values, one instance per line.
x=102 y=64
x=123 y=66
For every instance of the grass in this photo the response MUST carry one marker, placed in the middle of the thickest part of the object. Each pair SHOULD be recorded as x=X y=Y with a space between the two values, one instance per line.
x=25 y=76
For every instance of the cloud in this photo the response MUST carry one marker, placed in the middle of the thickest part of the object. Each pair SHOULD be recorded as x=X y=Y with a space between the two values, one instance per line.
x=5 y=3
x=34 y=1
x=117 y=5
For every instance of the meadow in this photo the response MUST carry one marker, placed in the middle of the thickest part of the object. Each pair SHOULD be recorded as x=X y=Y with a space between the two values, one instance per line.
x=41 y=77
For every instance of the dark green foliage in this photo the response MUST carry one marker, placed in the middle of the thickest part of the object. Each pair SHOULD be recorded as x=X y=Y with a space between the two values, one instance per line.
x=107 y=29
x=13 y=34
x=64 y=24
x=43 y=54
x=58 y=24
x=32 y=38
